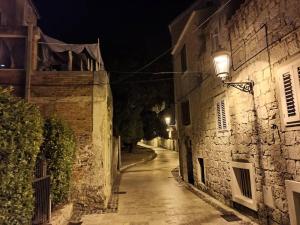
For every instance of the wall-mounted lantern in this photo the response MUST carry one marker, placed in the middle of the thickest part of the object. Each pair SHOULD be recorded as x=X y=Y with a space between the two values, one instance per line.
x=221 y=60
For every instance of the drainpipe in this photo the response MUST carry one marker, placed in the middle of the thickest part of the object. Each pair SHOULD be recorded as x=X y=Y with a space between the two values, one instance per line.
x=29 y=55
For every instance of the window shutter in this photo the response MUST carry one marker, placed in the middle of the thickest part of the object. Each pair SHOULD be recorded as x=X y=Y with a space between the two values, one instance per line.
x=224 y=122
x=219 y=117
x=290 y=90
x=289 y=95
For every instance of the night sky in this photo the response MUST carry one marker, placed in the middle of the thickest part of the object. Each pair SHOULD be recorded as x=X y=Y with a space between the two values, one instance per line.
x=135 y=29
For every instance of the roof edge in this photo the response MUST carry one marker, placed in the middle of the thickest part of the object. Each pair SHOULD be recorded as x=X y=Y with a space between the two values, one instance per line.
x=184 y=13
x=35 y=9
x=187 y=25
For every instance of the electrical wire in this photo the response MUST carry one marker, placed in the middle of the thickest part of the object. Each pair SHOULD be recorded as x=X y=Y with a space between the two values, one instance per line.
x=139 y=71
x=170 y=49
x=212 y=15
x=145 y=66
x=156 y=73
x=147 y=81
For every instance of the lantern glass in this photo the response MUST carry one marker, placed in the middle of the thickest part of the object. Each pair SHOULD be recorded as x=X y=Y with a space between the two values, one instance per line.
x=222 y=64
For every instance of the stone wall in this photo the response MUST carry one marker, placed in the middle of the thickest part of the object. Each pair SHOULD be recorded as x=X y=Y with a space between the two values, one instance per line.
x=169 y=144
x=257 y=133
x=83 y=100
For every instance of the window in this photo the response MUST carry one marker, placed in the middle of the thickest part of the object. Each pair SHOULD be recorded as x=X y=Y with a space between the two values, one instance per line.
x=243 y=184
x=185 y=113
x=183 y=59
x=12 y=53
x=222 y=114
x=215 y=40
x=293 y=196
x=289 y=83
x=202 y=170
x=202 y=44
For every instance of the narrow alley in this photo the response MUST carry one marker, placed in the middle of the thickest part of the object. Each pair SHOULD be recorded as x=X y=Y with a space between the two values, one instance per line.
x=154 y=197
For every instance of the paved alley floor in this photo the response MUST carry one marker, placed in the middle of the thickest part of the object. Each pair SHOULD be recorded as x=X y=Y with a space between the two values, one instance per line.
x=154 y=197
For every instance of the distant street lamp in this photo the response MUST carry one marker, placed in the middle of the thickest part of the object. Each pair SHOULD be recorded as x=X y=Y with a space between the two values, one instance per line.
x=168 y=120
x=221 y=60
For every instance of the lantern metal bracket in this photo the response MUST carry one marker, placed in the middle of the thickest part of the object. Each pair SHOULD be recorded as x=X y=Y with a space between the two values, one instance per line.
x=242 y=86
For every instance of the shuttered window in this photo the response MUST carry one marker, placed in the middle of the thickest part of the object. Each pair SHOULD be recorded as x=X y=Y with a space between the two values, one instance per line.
x=289 y=95
x=183 y=59
x=289 y=79
x=185 y=113
x=222 y=123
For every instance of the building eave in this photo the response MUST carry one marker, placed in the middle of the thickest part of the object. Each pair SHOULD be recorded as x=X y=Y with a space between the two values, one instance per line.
x=184 y=13
x=34 y=9
x=186 y=27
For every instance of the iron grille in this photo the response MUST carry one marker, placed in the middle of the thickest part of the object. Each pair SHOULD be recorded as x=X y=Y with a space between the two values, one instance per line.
x=245 y=182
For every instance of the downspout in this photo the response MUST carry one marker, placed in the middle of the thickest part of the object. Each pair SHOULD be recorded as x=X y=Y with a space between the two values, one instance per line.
x=29 y=55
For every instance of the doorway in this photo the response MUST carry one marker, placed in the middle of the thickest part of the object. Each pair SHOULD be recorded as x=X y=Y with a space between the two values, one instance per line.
x=189 y=160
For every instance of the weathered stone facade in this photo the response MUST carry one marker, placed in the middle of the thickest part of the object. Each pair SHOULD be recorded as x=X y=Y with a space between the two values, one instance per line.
x=81 y=98
x=84 y=101
x=262 y=35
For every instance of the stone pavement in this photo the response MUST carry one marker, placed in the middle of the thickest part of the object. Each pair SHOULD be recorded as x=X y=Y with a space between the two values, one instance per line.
x=149 y=195
x=141 y=154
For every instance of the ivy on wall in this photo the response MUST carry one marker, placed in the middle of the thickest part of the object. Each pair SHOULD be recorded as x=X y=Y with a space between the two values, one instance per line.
x=20 y=140
x=59 y=151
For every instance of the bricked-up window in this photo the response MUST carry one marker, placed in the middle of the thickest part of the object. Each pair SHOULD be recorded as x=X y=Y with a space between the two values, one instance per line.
x=185 y=113
x=221 y=114
x=289 y=83
x=183 y=59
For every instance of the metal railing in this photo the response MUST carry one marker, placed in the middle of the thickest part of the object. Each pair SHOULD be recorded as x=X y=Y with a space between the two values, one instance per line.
x=42 y=207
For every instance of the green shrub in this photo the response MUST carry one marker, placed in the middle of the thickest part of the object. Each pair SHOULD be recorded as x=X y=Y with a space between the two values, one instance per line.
x=20 y=140
x=59 y=150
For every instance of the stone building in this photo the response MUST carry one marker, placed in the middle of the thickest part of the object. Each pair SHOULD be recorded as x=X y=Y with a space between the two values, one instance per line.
x=241 y=148
x=82 y=97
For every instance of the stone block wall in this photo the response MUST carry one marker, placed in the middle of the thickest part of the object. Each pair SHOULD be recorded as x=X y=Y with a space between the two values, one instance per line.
x=83 y=100
x=257 y=134
x=169 y=144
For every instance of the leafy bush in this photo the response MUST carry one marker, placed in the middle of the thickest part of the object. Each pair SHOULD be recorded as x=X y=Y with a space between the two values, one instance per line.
x=59 y=150
x=20 y=140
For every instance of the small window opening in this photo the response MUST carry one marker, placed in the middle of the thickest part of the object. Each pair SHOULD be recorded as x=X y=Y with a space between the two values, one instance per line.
x=243 y=178
x=202 y=170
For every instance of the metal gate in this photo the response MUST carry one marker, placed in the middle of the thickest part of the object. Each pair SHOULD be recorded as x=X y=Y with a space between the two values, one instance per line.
x=41 y=187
